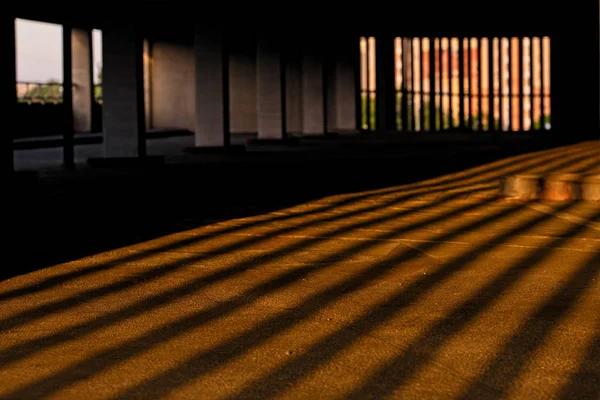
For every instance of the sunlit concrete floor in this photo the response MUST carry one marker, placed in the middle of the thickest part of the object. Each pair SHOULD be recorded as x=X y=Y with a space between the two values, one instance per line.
x=436 y=289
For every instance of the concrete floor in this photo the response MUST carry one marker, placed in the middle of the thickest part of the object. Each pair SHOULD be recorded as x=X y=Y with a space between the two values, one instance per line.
x=434 y=289
x=51 y=157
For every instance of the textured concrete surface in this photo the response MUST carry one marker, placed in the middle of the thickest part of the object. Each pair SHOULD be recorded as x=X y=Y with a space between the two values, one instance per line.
x=434 y=289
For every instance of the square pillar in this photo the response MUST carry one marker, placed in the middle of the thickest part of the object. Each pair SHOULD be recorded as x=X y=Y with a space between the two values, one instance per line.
x=147 y=57
x=575 y=86
x=123 y=117
x=313 y=88
x=243 y=85
x=67 y=99
x=81 y=59
x=293 y=88
x=212 y=88
x=345 y=72
x=270 y=87
x=385 y=100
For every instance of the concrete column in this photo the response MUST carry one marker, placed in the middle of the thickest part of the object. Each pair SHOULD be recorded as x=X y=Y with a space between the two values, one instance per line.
x=171 y=75
x=81 y=58
x=67 y=101
x=575 y=104
x=293 y=89
x=212 y=88
x=242 y=81
x=9 y=90
x=148 y=83
x=384 y=84
x=346 y=74
x=270 y=88
x=313 y=88
x=123 y=92
x=329 y=62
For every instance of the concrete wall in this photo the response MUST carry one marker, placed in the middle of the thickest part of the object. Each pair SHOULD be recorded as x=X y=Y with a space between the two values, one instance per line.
x=293 y=90
x=242 y=80
x=172 y=86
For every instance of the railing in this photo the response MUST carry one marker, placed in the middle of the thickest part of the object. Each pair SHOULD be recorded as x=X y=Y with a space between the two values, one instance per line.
x=479 y=84
x=47 y=93
x=41 y=93
x=367 y=83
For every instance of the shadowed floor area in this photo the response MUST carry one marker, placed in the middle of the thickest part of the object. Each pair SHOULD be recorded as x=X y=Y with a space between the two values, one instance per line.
x=431 y=289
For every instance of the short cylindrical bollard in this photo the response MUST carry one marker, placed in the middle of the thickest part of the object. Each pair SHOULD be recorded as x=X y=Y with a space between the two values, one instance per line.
x=590 y=188
x=526 y=187
x=562 y=187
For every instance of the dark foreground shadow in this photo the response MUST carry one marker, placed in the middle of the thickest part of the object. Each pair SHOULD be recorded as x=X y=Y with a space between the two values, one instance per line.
x=64 y=219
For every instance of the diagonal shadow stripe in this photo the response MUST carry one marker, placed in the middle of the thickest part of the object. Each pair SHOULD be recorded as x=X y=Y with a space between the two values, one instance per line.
x=585 y=383
x=336 y=342
x=338 y=256
x=63 y=304
x=106 y=359
x=23 y=350
x=147 y=276
x=399 y=370
x=519 y=349
x=54 y=281
x=206 y=361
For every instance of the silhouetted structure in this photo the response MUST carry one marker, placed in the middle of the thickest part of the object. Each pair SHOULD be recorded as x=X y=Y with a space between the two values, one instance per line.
x=279 y=75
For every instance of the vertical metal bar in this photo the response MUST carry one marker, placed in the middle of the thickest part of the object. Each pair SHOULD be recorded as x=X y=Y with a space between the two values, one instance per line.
x=441 y=80
x=480 y=84
x=450 y=82
x=404 y=106
x=397 y=90
x=501 y=87
x=324 y=58
x=549 y=55
x=521 y=85
x=542 y=91
x=461 y=86
x=94 y=116
x=358 y=86
x=421 y=85
x=397 y=96
x=491 y=71
x=368 y=85
x=470 y=83
x=531 y=86
x=510 y=84
x=432 y=86
x=412 y=84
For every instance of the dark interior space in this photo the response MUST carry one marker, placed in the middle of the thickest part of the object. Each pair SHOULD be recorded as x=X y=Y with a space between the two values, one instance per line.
x=68 y=216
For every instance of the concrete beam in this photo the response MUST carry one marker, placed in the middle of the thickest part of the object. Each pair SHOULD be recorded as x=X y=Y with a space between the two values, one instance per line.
x=123 y=92
x=270 y=88
x=212 y=88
